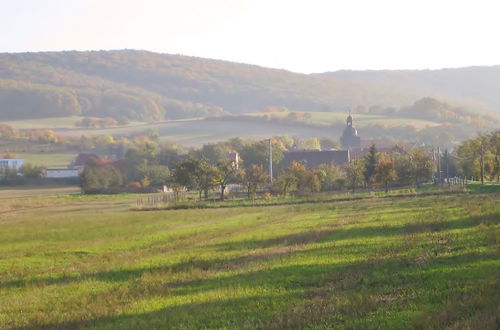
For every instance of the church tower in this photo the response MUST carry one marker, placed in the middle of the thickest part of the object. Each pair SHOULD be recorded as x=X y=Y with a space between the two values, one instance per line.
x=350 y=138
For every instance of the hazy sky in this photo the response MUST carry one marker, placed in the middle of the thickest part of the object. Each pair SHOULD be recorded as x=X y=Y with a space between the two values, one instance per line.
x=303 y=35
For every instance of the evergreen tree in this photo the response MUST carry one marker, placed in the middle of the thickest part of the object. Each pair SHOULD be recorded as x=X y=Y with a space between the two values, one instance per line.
x=371 y=159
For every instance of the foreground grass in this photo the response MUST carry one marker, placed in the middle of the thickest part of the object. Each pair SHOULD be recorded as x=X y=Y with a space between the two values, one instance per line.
x=416 y=262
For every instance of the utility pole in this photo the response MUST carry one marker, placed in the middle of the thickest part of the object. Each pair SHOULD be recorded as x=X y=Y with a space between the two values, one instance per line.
x=271 y=160
x=446 y=161
x=439 y=165
x=482 y=163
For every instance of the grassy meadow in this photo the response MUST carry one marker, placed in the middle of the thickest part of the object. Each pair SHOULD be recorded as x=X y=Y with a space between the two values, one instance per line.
x=48 y=159
x=72 y=261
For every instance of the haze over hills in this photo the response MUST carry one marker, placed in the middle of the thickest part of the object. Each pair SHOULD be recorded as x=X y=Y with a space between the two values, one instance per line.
x=476 y=87
x=148 y=86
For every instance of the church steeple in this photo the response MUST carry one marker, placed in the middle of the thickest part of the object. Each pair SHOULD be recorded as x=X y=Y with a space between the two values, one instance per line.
x=349 y=119
x=350 y=138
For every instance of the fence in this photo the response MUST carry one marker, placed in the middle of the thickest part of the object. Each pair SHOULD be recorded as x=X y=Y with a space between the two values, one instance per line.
x=153 y=200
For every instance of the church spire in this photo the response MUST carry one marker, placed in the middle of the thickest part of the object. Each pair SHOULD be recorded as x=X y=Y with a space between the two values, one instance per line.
x=349 y=118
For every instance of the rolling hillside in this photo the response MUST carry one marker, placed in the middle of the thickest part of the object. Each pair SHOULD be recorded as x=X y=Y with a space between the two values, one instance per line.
x=146 y=86
x=474 y=87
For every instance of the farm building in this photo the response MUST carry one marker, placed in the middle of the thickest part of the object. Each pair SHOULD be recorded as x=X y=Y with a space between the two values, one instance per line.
x=11 y=163
x=61 y=173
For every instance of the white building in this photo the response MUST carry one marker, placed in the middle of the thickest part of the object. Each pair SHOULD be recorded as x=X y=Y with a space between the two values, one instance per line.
x=61 y=173
x=11 y=163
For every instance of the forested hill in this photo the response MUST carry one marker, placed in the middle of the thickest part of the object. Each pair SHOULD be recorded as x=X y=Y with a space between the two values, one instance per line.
x=473 y=87
x=149 y=86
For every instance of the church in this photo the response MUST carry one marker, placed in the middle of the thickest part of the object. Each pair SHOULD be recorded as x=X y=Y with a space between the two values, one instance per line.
x=350 y=138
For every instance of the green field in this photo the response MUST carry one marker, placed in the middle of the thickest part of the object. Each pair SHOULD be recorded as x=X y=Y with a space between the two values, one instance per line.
x=48 y=159
x=54 y=122
x=73 y=261
x=51 y=123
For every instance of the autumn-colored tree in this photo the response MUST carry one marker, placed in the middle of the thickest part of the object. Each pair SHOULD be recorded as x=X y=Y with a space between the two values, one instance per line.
x=226 y=172
x=32 y=171
x=253 y=176
x=285 y=183
x=384 y=171
x=355 y=173
x=328 y=175
x=422 y=165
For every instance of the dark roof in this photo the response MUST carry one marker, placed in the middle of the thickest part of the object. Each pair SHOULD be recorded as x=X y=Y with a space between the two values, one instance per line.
x=357 y=153
x=314 y=158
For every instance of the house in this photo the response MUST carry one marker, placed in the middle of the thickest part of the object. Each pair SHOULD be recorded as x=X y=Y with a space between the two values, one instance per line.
x=235 y=157
x=61 y=173
x=11 y=163
x=314 y=158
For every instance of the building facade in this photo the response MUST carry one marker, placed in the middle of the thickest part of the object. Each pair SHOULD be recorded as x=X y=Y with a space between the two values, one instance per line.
x=61 y=173
x=11 y=163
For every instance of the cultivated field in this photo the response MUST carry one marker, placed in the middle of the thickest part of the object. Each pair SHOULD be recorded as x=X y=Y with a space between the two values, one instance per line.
x=409 y=262
x=195 y=132
x=328 y=118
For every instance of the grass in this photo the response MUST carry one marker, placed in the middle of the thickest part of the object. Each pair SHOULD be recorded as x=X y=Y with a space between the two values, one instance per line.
x=416 y=262
x=240 y=200
x=48 y=159
x=49 y=123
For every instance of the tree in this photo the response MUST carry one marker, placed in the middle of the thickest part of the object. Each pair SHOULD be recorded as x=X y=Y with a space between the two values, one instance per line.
x=311 y=144
x=158 y=175
x=32 y=171
x=169 y=155
x=195 y=174
x=185 y=173
x=96 y=177
x=329 y=143
x=422 y=165
x=313 y=183
x=299 y=171
x=258 y=153
x=404 y=169
x=328 y=175
x=384 y=171
x=212 y=153
x=253 y=176
x=355 y=173
x=285 y=183
x=371 y=159
x=206 y=176
x=226 y=172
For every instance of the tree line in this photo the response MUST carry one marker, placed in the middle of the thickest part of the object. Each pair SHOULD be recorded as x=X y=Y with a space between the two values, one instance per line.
x=213 y=166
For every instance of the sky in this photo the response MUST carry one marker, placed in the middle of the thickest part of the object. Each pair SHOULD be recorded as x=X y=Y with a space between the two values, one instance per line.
x=298 y=35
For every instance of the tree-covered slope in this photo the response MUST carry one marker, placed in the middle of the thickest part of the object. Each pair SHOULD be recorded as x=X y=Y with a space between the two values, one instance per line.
x=149 y=86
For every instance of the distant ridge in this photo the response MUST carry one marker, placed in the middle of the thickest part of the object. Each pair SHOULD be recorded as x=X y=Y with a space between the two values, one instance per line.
x=474 y=87
x=148 y=86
